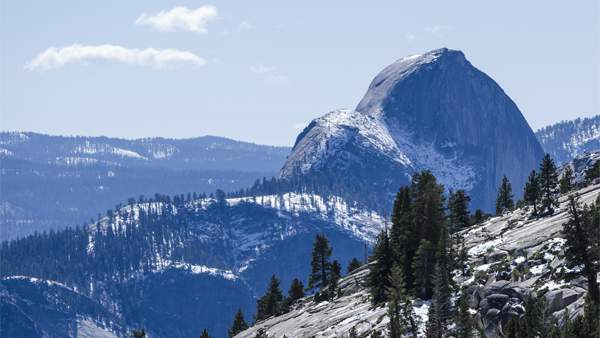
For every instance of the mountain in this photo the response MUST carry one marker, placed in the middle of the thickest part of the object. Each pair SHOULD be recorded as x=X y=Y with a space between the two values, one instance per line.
x=432 y=111
x=39 y=308
x=568 y=139
x=509 y=257
x=85 y=176
x=176 y=266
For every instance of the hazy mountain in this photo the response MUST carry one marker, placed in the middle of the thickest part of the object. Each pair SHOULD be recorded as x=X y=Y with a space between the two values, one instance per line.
x=568 y=139
x=49 y=182
x=432 y=111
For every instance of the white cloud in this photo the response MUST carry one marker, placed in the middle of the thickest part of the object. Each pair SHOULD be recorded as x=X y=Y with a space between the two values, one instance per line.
x=53 y=58
x=180 y=18
x=269 y=74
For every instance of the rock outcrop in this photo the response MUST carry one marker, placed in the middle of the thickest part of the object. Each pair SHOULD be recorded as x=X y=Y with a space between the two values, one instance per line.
x=432 y=111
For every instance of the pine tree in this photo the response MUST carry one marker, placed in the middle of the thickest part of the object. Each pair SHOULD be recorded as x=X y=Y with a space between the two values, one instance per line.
x=504 y=201
x=478 y=217
x=566 y=181
x=139 y=333
x=464 y=321
x=400 y=233
x=270 y=303
x=440 y=303
x=535 y=322
x=353 y=265
x=582 y=241
x=204 y=334
x=334 y=277
x=320 y=264
x=532 y=191
x=239 y=323
x=593 y=172
x=296 y=290
x=459 y=219
x=548 y=184
x=379 y=272
x=423 y=266
x=400 y=309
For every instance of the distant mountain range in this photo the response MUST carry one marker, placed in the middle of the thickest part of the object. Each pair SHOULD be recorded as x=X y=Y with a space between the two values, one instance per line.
x=50 y=182
x=568 y=139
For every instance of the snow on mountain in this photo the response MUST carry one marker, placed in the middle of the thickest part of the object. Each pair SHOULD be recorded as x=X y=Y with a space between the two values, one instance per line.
x=568 y=139
x=334 y=318
x=430 y=111
x=34 y=307
x=515 y=241
x=361 y=223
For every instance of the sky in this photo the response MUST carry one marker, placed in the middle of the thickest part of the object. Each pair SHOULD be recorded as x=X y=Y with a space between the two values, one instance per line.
x=260 y=71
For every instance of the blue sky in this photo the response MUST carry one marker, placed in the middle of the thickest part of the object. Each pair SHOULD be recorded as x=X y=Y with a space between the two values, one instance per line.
x=261 y=70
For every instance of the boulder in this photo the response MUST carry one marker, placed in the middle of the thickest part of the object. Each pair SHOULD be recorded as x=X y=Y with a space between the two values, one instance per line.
x=561 y=298
x=497 y=255
x=497 y=300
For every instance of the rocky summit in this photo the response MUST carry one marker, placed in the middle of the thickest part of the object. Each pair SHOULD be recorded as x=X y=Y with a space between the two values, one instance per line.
x=431 y=111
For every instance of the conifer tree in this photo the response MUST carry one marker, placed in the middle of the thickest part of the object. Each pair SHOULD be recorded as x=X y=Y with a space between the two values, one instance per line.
x=423 y=266
x=464 y=321
x=401 y=232
x=320 y=264
x=478 y=217
x=427 y=202
x=239 y=323
x=532 y=191
x=204 y=334
x=504 y=200
x=334 y=277
x=593 y=172
x=548 y=184
x=379 y=272
x=581 y=232
x=353 y=265
x=141 y=333
x=400 y=309
x=458 y=219
x=270 y=303
x=566 y=181
x=296 y=290
x=440 y=303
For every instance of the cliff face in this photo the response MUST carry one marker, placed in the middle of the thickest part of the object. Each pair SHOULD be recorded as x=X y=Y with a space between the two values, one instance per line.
x=432 y=111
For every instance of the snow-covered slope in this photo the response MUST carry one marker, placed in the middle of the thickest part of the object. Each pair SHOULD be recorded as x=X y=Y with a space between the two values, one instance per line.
x=533 y=247
x=33 y=307
x=432 y=111
x=334 y=318
x=193 y=260
x=568 y=139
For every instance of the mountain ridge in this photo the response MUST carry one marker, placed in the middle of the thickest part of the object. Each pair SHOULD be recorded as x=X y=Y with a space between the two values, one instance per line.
x=429 y=111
